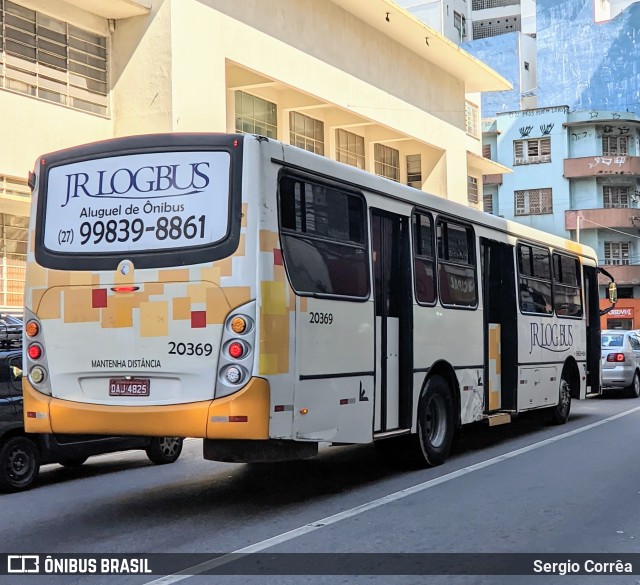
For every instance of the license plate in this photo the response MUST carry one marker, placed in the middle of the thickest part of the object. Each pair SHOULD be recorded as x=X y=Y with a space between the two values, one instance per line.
x=129 y=386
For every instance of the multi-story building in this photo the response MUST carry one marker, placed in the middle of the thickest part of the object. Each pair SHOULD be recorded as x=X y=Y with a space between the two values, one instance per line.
x=575 y=174
x=360 y=81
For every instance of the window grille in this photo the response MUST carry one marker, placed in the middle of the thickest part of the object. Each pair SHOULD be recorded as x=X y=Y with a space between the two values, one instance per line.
x=52 y=60
x=536 y=150
x=472 y=119
x=616 y=253
x=615 y=145
x=615 y=196
x=533 y=201
x=472 y=192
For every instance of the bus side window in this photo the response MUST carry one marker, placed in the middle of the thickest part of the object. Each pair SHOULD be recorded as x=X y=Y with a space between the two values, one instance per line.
x=324 y=243
x=567 y=290
x=456 y=265
x=534 y=268
x=424 y=258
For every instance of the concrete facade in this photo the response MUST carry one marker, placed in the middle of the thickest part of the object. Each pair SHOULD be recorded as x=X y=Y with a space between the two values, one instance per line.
x=365 y=66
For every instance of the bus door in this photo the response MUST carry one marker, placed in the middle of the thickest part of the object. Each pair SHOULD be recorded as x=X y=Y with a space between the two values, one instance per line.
x=391 y=256
x=500 y=326
x=592 y=316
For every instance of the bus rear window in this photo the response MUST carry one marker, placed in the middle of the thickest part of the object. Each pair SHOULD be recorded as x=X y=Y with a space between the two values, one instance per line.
x=138 y=203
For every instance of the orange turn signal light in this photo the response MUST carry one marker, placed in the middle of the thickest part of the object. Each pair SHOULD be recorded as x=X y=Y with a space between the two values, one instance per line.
x=32 y=328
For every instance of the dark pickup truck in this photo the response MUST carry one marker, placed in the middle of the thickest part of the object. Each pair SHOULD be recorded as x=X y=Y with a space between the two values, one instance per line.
x=22 y=454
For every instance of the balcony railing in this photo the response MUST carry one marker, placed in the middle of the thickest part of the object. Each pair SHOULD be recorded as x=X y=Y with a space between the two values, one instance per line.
x=485 y=4
x=593 y=166
x=593 y=219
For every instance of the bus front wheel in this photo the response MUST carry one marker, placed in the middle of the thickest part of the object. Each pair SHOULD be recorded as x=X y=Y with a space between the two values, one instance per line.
x=436 y=424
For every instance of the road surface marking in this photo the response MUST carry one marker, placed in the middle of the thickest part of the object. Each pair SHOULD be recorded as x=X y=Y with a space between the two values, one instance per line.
x=394 y=497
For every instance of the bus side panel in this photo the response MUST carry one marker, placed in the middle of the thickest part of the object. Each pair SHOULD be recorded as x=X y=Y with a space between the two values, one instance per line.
x=454 y=336
x=334 y=353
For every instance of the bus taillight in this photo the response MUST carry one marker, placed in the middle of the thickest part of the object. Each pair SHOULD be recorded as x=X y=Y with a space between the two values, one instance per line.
x=35 y=351
x=32 y=328
x=236 y=350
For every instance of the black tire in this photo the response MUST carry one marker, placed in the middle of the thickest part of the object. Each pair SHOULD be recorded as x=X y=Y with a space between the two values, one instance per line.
x=73 y=461
x=560 y=412
x=19 y=464
x=163 y=450
x=436 y=425
x=633 y=391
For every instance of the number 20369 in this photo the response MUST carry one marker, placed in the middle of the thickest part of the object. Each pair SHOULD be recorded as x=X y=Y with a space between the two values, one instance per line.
x=320 y=318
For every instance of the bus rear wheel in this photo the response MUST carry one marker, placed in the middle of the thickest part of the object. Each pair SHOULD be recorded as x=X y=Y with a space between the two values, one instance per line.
x=436 y=424
x=560 y=412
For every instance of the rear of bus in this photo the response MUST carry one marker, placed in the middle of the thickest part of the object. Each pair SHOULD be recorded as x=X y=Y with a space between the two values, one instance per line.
x=140 y=302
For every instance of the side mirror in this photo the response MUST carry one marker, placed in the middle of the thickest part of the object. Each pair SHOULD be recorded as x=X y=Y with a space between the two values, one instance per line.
x=15 y=373
x=613 y=293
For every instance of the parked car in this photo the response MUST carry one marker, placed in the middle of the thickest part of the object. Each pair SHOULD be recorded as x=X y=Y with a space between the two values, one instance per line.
x=22 y=454
x=10 y=331
x=620 y=351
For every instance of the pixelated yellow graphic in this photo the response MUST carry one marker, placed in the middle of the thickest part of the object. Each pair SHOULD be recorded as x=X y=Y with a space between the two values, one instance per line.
x=154 y=288
x=84 y=279
x=37 y=276
x=217 y=306
x=47 y=303
x=240 y=250
x=197 y=292
x=274 y=344
x=237 y=295
x=274 y=298
x=225 y=266
x=210 y=274
x=181 y=308
x=77 y=306
x=269 y=240
x=176 y=275
x=495 y=366
x=154 y=319
x=119 y=312
x=58 y=278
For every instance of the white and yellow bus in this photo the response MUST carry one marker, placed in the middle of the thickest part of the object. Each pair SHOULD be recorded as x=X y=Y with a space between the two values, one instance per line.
x=269 y=300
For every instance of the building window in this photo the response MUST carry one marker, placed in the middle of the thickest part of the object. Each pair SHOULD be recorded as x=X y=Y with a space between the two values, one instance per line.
x=472 y=192
x=14 y=186
x=460 y=24
x=616 y=253
x=387 y=161
x=486 y=151
x=52 y=60
x=492 y=28
x=306 y=132
x=615 y=196
x=487 y=202
x=349 y=148
x=13 y=255
x=526 y=65
x=484 y=4
x=414 y=170
x=255 y=115
x=536 y=150
x=472 y=119
x=533 y=201
x=625 y=292
x=615 y=145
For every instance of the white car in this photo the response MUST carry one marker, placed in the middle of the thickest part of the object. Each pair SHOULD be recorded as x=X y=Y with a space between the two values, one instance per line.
x=620 y=352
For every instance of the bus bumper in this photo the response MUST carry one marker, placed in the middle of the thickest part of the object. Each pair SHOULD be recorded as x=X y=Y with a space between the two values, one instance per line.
x=243 y=415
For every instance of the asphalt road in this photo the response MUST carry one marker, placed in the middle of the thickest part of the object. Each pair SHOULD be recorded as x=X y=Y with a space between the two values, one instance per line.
x=519 y=488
